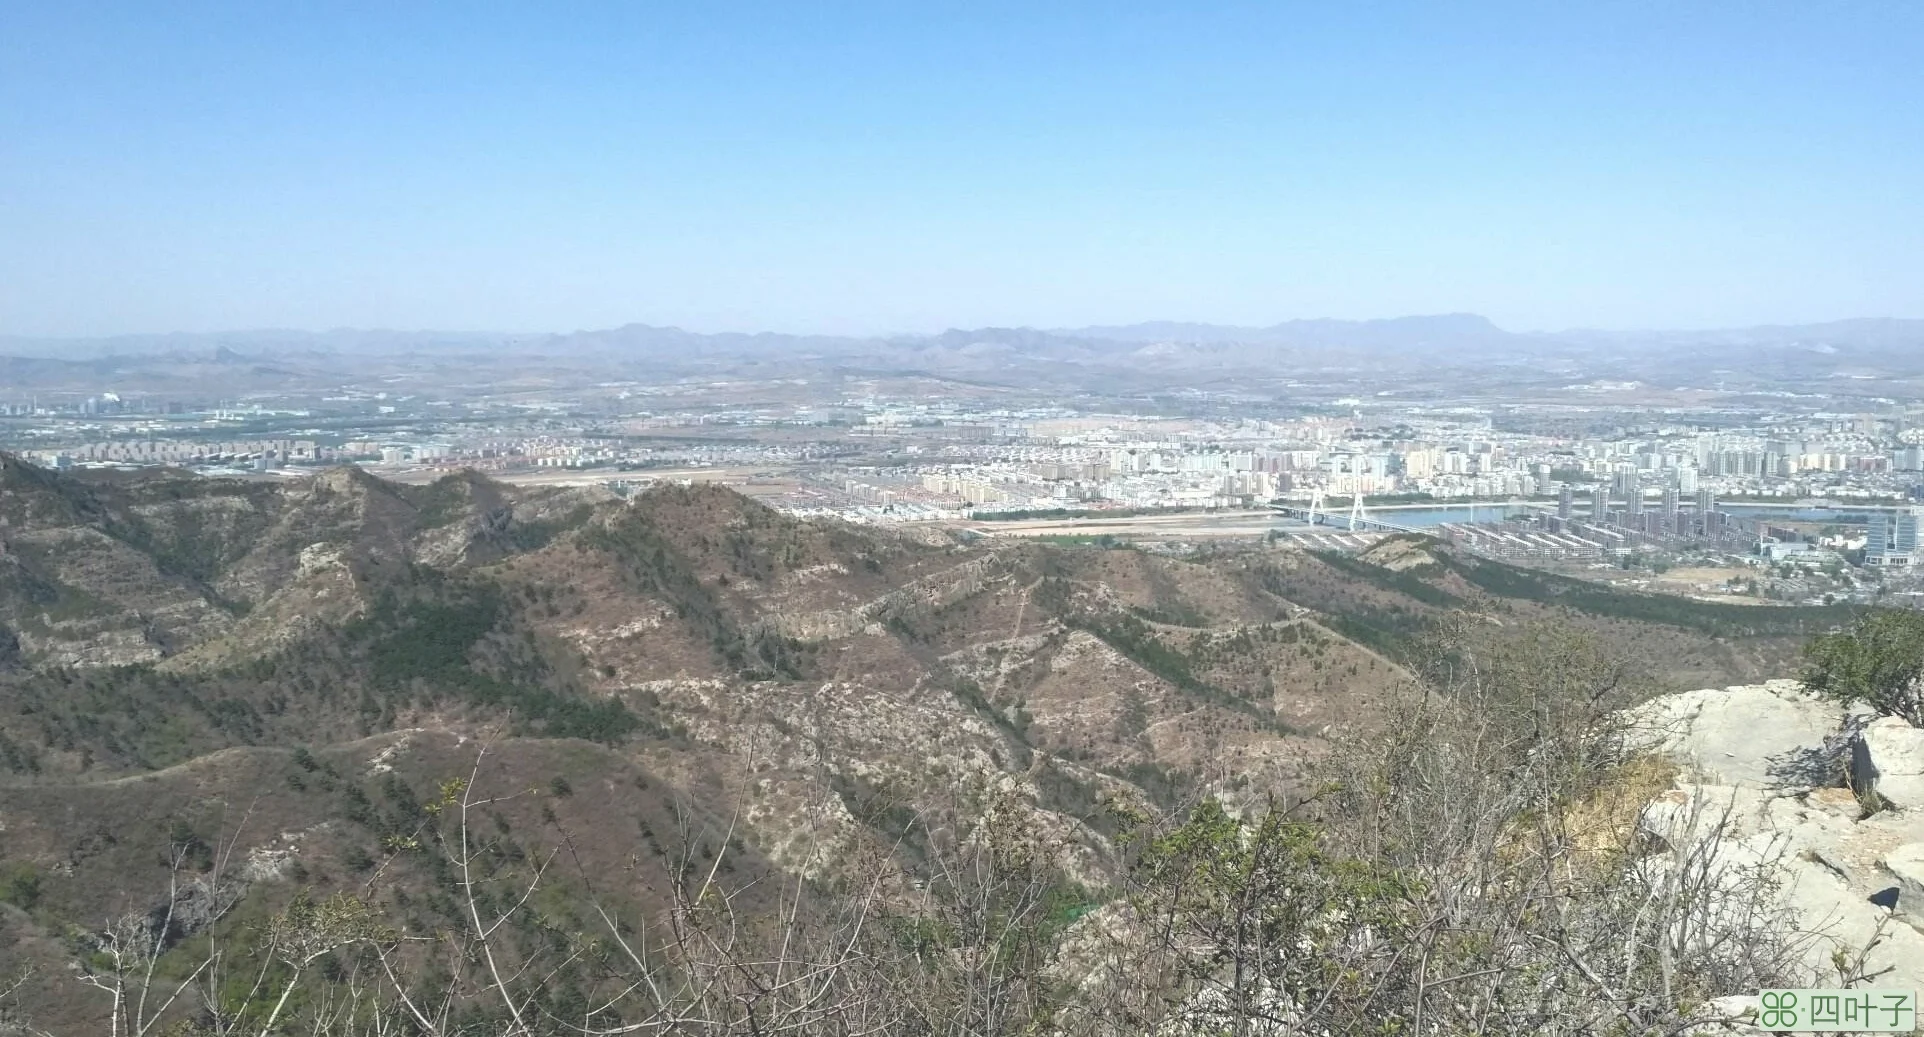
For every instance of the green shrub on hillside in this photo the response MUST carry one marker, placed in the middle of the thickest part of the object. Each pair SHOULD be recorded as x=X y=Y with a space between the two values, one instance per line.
x=1878 y=660
x=1716 y=619
x=431 y=642
x=20 y=885
x=1402 y=582
x=653 y=566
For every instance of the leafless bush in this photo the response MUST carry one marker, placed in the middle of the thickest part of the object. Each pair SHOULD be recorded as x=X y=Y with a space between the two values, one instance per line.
x=1478 y=868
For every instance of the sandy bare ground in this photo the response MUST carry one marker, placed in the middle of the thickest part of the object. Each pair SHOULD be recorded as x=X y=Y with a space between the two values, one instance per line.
x=1705 y=575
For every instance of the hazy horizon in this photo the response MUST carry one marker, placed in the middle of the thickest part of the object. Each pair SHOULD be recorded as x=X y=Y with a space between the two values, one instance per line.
x=872 y=170
x=321 y=332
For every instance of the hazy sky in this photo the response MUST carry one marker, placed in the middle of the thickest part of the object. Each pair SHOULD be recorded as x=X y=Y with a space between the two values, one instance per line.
x=912 y=166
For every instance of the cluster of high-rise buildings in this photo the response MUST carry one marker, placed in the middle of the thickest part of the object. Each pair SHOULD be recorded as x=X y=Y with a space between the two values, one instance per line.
x=1652 y=481
x=1893 y=539
x=1633 y=506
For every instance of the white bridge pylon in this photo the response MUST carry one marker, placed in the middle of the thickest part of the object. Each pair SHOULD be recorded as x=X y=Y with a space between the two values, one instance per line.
x=1357 y=516
x=1360 y=520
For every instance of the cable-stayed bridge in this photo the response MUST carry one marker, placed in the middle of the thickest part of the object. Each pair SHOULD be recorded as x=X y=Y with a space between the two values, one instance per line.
x=1356 y=520
x=1355 y=527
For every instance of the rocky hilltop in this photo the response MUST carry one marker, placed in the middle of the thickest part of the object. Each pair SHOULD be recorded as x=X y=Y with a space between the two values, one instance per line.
x=1826 y=801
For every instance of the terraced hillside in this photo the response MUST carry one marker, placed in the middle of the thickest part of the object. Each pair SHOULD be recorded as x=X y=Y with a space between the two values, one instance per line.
x=283 y=674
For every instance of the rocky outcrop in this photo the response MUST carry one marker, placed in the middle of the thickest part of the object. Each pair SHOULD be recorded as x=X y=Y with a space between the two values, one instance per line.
x=1763 y=736
x=1906 y=866
x=1761 y=774
x=1887 y=758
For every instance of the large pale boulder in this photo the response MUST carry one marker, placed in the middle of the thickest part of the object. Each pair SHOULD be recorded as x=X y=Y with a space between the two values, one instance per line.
x=1761 y=736
x=1827 y=867
x=1888 y=755
x=1758 y=763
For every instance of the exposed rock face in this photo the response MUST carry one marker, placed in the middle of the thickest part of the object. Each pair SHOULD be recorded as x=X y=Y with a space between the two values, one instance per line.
x=1761 y=765
x=1906 y=865
x=1888 y=757
x=1761 y=736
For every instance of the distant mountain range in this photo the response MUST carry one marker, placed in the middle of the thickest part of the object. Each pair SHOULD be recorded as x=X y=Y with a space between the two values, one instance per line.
x=1447 y=355
x=1441 y=331
x=1397 y=332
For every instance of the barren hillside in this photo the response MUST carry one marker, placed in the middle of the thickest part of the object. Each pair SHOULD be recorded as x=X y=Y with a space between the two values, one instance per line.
x=286 y=672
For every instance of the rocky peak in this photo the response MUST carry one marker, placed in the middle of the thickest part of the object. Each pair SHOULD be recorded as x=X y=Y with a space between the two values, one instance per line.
x=346 y=479
x=1827 y=800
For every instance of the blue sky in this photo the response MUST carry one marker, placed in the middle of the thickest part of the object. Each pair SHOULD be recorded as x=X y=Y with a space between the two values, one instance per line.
x=914 y=166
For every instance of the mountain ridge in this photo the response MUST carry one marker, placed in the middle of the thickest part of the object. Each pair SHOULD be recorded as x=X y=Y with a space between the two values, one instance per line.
x=319 y=654
x=1404 y=331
